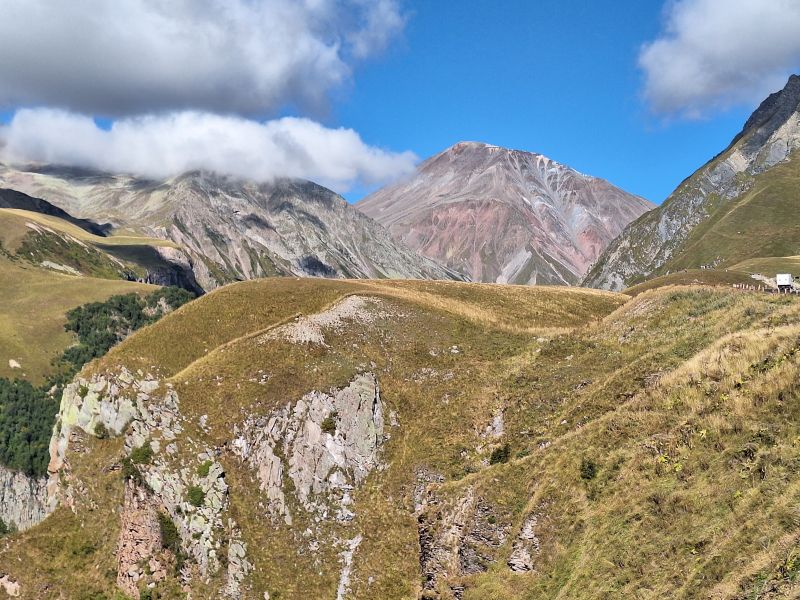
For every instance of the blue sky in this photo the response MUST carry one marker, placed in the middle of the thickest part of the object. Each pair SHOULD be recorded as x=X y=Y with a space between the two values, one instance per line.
x=560 y=79
x=352 y=93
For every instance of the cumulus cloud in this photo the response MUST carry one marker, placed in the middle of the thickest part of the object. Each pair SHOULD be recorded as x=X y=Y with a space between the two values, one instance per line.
x=717 y=53
x=160 y=146
x=126 y=57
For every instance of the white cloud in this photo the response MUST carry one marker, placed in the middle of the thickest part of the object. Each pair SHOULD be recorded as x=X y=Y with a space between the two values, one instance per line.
x=717 y=53
x=126 y=57
x=161 y=146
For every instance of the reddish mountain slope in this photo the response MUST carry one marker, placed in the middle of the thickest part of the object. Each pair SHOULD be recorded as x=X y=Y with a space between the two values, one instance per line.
x=505 y=215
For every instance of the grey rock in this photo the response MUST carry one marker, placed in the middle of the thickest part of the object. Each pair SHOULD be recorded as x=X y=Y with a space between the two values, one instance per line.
x=769 y=137
x=23 y=499
x=323 y=466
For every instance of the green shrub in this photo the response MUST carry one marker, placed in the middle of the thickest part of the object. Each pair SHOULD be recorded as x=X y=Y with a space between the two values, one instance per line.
x=500 y=455
x=100 y=431
x=588 y=469
x=142 y=455
x=196 y=496
x=4 y=529
x=131 y=471
x=170 y=538
x=328 y=425
x=203 y=470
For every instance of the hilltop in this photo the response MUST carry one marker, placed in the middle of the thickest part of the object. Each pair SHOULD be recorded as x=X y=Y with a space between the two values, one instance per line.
x=351 y=439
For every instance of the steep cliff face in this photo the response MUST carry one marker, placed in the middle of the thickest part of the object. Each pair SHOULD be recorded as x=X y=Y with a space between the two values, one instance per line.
x=233 y=229
x=506 y=216
x=23 y=499
x=670 y=237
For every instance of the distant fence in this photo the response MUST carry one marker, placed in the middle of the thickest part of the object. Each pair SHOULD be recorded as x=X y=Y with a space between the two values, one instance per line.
x=765 y=289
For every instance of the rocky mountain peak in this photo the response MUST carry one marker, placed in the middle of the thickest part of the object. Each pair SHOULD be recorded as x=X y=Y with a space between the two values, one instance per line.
x=771 y=114
x=232 y=228
x=669 y=237
x=502 y=215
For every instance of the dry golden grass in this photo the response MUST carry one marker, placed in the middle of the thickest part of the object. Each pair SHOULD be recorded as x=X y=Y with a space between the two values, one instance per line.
x=714 y=277
x=686 y=399
x=69 y=228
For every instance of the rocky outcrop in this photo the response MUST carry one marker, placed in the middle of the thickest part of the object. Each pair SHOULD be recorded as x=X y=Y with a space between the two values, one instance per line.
x=311 y=328
x=506 y=216
x=770 y=136
x=347 y=566
x=23 y=499
x=526 y=547
x=9 y=586
x=182 y=478
x=162 y=265
x=457 y=537
x=326 y=444
x=238 y=565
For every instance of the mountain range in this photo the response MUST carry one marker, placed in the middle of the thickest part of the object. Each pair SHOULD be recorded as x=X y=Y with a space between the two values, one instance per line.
x=230 y=229
x=344 y=427
x=504 y=216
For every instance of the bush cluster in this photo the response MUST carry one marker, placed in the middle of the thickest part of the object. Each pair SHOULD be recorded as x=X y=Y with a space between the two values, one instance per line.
x=588 y=469
x=196 y=496
x=328 y=424
x=500 y=455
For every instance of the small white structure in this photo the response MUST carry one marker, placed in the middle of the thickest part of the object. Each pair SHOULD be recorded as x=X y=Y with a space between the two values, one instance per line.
x=784 y=281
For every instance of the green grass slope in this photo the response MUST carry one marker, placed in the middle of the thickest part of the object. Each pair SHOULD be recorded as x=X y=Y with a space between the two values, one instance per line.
x=46 y=240
x=33 y=312
x=649 y=445
x=709 y=277
x=770 y=265
x=763 y=222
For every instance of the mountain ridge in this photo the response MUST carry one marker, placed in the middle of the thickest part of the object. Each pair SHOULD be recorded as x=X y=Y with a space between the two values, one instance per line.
x=234 y=229
x=759 y=158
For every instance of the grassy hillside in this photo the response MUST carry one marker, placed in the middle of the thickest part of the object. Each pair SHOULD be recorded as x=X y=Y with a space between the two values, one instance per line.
x=57 y=244
x=81 y=234
x=710 y=277
x=636 y=448
x=33 y=312
x=771 y=265
x=763 y=222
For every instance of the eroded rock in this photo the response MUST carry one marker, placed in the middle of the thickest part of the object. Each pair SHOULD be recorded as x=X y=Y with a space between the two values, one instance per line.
x=326 y=444
x=9 y=586
x=526 y=547
x=139 y=539
x=23 y=499
x=311 y=329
